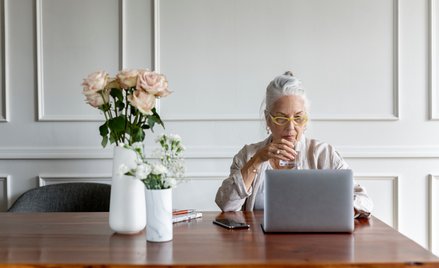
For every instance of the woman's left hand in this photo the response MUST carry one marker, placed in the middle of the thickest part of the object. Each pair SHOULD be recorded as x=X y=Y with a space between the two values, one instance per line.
x=281 y=149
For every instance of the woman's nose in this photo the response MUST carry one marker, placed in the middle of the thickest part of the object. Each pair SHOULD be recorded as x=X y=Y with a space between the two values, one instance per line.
x=290 y=125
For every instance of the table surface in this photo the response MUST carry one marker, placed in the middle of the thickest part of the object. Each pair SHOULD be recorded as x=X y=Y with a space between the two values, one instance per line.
x=85 y=239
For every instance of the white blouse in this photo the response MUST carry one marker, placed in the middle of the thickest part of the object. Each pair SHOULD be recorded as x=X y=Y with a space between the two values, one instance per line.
x=232 y=194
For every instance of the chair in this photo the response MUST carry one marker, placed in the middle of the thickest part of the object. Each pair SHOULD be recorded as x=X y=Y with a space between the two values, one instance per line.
x=65 y=197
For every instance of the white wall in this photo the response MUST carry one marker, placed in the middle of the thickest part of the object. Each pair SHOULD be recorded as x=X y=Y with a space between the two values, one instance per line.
x=369 y=66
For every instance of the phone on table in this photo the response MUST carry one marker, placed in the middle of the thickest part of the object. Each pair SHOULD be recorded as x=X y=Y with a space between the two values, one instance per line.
x=231 y=224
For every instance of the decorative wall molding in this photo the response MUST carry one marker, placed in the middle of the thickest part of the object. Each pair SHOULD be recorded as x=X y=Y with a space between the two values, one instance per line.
x=433 y=65
x=156 y=49
x=4 y=87
x=213 y=152
x=433 y=214
x=203 y=176
x=40 y=67
x=252 y=117
x=156 y=17
x=395 y=191
x=4 y=193
x=65 y=178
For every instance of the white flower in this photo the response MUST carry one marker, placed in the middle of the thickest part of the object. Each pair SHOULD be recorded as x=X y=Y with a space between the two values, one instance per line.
x=143 y=171
x=158 y=169
x=123 y=169
x=174 y=137
x=138 y=146
x=139 y=161
x=170 y=182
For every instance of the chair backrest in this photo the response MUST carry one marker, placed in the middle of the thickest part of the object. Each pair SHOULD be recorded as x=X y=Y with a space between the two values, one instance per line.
x=65 y=197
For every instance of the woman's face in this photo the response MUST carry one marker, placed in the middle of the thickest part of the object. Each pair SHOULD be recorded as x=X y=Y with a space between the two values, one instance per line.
x=287 y=107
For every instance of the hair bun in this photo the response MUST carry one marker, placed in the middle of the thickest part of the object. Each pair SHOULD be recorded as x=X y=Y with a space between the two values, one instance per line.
x=289 y=73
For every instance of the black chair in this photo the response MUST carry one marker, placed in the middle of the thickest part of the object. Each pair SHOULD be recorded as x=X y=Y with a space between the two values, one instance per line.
x=65 y=197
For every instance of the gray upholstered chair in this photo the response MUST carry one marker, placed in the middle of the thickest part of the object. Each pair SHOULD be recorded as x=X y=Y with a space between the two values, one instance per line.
x=65 y=197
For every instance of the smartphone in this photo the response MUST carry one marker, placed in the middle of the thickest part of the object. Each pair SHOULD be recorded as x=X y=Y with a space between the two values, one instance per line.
x=231 y=224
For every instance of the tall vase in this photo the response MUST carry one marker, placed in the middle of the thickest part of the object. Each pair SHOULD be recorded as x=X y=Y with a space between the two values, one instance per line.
x=127 y=202
x=159 y=213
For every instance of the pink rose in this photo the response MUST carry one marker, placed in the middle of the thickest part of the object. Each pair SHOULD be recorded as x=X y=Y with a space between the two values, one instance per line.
x=127 y=78
x=95 y=81
x=153 y=83
x=97 y=99
x=142 y=101
x=94 y=84
x=113 y=83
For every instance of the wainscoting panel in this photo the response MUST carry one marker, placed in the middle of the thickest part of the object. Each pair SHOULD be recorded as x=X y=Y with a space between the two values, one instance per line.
x=138 y=25
x=198 y=191
x=66 y=178
x=3 y=65
x=58 y=68
x=434 y=60
x=221 y=39
x=4 y=203
x=383 y=190
x=434 y=214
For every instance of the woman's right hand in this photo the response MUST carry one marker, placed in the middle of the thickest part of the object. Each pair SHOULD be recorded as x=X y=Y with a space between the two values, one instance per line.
x=281 y=149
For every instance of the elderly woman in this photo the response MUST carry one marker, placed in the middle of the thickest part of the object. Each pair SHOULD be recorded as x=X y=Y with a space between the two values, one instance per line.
x=286 y=115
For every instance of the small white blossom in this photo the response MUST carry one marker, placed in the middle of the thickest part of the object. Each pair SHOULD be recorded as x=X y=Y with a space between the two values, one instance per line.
x=143 y=171
x=158 y=169
x=138 y=146
x=175 y=137
x=170 y=182
x=123 y=169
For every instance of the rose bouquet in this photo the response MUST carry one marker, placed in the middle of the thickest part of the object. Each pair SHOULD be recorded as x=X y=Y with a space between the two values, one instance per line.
x=163 y=174
x=127 y=101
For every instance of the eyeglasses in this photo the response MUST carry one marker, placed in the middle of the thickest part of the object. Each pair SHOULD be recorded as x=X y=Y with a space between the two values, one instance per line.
x=297 y=120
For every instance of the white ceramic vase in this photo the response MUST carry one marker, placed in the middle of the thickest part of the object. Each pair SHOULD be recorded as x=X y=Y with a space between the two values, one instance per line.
x=159 y=214
x=127 y=202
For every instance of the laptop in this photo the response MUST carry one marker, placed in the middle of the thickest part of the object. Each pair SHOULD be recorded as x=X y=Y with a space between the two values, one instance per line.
x=313 y=200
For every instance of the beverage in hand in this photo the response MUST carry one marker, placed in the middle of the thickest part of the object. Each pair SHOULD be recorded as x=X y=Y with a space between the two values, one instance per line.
x=291 y=164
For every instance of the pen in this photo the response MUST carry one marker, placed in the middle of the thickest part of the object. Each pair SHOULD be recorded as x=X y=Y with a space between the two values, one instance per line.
x=182 y=211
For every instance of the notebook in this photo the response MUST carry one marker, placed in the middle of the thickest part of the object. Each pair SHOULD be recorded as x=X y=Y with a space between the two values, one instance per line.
x=308 y=201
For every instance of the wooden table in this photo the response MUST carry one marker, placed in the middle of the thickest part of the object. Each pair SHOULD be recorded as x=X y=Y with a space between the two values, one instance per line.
x=85 y=239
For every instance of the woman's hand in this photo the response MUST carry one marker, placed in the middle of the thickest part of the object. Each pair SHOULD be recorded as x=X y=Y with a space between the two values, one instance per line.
x=277 y=150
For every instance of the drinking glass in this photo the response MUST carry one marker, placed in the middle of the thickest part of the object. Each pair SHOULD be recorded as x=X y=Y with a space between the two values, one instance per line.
x=293 y=164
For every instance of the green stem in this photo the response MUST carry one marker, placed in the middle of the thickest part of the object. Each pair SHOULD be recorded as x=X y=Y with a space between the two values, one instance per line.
x=126 y=114
x=107 y=109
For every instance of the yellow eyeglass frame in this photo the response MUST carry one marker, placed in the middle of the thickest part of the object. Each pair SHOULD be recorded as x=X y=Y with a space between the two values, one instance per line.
x=297 y=120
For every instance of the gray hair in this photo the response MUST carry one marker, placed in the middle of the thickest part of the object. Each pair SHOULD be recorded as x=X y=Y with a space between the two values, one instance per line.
x=284 y=85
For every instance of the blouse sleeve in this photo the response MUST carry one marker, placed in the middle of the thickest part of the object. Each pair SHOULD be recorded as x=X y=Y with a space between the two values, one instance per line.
x=232 y=193
x=363 y=205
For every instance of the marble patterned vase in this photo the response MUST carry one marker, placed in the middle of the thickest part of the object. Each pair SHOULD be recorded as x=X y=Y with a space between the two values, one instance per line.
x=159 y=214
x=127 y=201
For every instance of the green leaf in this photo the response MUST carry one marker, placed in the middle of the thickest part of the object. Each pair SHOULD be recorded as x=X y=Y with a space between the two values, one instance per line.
x=103 y=129
x=104 y=141
x=116 y=94
x=112 y=139
x=137 y=134
x=117 y=124
x=154 y=119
